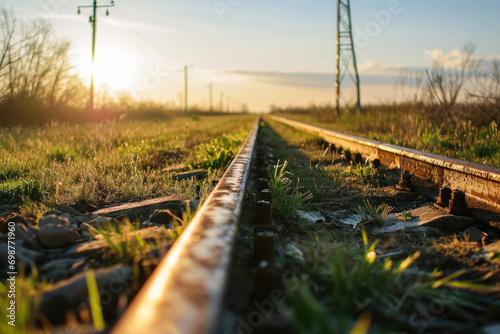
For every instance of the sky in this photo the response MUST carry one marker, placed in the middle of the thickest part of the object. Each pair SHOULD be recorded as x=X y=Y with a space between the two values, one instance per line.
x=263 y=52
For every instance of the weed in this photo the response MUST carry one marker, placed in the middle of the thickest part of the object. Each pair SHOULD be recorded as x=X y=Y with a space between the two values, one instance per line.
x=95 y=301
x=180 y=224
x=286 y=192
x=344 y=283
x=27 y=299
x=406 y=215
x=372 y=215
x=217 y=153
x=125 y=244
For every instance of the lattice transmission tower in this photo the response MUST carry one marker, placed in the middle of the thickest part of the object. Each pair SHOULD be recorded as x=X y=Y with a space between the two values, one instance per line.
x=346 y=69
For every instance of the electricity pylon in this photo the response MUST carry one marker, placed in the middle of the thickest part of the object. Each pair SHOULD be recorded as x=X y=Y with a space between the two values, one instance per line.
x=93 y=20
x=346 y=56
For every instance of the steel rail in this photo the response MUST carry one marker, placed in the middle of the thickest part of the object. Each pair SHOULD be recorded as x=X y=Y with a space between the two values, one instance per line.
x=185 y=292
x=481 y=183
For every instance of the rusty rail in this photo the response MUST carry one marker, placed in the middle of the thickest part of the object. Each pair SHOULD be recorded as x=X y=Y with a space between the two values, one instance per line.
x=481 y=183
x=184 y=294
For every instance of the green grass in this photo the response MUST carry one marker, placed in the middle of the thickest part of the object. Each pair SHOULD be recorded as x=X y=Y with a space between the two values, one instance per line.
x=110 y=162
x=343 y=282
x=28 y=299
x=219 y=151
x=372 y=215
x=288 y=196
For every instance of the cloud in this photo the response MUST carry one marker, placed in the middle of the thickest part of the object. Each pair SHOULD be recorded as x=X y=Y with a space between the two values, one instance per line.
x=373 y=67
x=311 y=79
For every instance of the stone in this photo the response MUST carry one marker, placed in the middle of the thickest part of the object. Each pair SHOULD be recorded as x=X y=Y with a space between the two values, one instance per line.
x=23 y=255
x=68 y=209
x=23 y=229
x=475 y=235
x=56 y=232
x=59 y=264
x=6 y=208
x=428 y=216
x=102 y=222
x=70 y=218
x=82 y=219
x=68 y=295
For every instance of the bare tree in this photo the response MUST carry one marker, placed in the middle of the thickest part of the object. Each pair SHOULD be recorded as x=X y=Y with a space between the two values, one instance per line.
x=486 y=86
x=8 y=28
x=34 y=64
x=412 y=79
x=446 y=84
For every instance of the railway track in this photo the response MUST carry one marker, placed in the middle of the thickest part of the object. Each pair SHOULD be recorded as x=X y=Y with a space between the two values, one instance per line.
x=481 y=184
x=185 y=294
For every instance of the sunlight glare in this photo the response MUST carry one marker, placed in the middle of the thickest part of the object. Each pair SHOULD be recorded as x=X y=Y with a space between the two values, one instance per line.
x=114 y=68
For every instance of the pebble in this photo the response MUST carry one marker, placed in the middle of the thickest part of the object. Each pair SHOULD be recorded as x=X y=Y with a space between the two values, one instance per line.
x=5 y=208
x=56 y=232
x=475 y=235
x=23 y=255
x=68 y=295
x=70 y=218
x=82 y=219
x=59 y=264
x=68 y=209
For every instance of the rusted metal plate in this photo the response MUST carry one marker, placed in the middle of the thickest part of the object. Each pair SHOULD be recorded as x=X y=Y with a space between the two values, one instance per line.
x=481 y=183
x=184 y=293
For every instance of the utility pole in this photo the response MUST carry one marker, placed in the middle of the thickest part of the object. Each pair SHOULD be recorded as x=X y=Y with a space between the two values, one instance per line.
x=210 y=96
x=346 y=56
x=221 y=101
x=180 y=101
x=186 y=87
x=93 y=20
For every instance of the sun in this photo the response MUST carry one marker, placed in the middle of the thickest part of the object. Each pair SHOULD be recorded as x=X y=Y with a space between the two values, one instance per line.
x=114 y=69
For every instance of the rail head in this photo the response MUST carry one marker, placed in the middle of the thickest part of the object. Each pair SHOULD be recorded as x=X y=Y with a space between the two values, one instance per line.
x=185 y=292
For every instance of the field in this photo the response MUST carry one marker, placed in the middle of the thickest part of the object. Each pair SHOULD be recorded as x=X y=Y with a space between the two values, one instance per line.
x=111 y=162
x=467 y=133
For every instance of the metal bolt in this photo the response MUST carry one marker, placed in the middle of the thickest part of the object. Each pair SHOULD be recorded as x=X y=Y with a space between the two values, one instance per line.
x=276 y=324
x=263 y=246
x=444 y=197
x=261 y=160
x=262 y=172
x=265 y=195
x=405 y=182
x=263 y=213
x=268 y=278
x=346 y=155
x=458 y=205
x=358 y=158
x=262 y=184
